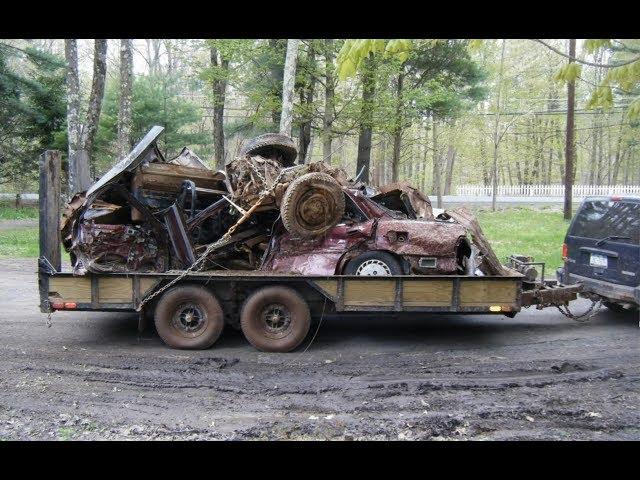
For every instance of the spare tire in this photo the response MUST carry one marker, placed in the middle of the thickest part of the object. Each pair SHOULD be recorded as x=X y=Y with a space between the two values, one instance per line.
x=266 y=144
x=312 y=204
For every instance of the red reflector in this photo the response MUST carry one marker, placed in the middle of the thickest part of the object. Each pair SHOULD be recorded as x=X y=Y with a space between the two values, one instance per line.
x=70 y=305
x=58 y=305
x=565 y=251
x=615 y=198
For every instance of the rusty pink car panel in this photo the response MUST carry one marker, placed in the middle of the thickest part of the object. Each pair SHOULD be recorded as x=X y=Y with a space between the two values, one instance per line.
x=408 y=239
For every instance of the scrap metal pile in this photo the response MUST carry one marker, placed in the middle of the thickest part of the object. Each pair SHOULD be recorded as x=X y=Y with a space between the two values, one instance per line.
x=149 y=214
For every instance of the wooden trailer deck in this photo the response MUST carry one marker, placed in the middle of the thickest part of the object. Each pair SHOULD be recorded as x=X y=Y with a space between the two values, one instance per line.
x=450 y=293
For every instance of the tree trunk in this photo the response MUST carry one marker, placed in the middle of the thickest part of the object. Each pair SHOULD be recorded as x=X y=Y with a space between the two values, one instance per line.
x=570 y=145
x=424 y=156
x=307 y=91
x=451 y=158
x=496 y=139
x=397 y=131
x=276 y=70
x=126 y=93
x=617 y=160
x=220 y=64
x=73 y=110
x=437 y=183
x=366 y=121
x=288 y=83
x=97 y=94
x=329 y=95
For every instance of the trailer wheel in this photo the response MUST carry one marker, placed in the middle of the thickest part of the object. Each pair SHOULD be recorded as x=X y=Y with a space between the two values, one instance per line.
x=275 y=319
x=312 y=204
x=189 y=317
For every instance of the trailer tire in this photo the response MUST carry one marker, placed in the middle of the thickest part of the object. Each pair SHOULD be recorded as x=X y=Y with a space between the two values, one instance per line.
x=275 y=319
x=189 y=317
x=312 y=204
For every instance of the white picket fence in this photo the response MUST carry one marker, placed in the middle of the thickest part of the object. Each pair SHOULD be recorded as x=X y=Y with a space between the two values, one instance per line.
x=579 y=191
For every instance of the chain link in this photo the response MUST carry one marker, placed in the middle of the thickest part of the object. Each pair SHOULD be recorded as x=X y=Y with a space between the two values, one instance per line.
x=49 y=319
x=584 y=317
x=222 y=241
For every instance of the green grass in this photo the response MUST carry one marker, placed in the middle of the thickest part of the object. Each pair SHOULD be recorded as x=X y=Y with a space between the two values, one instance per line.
x=10 y=212
x=526 y=231
x=21 y=242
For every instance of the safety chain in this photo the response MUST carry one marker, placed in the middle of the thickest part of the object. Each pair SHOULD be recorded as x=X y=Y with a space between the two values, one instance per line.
x=49 y=319
x=217 y=244
x=584 y=317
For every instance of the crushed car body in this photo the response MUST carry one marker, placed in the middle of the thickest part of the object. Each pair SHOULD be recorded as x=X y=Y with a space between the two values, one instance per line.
x=149 y=214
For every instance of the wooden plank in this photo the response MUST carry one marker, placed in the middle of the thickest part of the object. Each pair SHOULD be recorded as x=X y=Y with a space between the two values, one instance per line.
x=426 y=293
x=330 y=287
x=71 y=289
x=49 y=199
x=370 y=292
x=115 y=290
x=488 y=292
x=146 y=284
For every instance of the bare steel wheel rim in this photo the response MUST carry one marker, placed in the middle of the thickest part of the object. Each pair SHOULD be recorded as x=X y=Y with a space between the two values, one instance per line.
x=314 y=208
x=189 y=319
x=276 y=320
x=373 y=267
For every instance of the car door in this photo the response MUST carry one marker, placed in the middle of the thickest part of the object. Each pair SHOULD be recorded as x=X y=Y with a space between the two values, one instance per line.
x=595 y=244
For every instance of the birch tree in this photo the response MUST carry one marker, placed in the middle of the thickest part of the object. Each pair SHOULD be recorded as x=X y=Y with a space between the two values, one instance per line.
x=81 y=135
x=73 y=112
x=126 y=90
x=288 y=84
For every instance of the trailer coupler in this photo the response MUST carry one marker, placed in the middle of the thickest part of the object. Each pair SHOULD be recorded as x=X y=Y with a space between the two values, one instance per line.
x=550 y=294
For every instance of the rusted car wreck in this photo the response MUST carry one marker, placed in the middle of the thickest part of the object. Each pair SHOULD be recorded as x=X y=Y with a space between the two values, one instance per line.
x=150 y=214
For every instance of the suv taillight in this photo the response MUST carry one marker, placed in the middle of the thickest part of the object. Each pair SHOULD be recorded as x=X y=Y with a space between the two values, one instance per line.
x=565 y=252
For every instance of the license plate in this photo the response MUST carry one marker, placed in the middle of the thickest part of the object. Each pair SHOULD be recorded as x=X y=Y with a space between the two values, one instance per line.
x=598 y=260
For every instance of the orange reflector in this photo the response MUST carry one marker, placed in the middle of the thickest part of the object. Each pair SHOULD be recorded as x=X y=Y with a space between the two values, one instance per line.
x=495 y=308
x=73 y=305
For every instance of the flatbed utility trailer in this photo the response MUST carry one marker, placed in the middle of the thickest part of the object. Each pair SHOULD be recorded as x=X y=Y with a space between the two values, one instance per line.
x=274 y=310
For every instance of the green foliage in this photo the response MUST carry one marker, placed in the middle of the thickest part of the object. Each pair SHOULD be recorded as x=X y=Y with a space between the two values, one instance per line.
x=568 y=73
x=592 y=45
x=32 y=110
x=155 y=102
x=354 y=52
x=625 y=78
x=262 y=85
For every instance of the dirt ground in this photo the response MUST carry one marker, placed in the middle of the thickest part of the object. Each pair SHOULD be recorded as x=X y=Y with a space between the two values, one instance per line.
x=536 y=376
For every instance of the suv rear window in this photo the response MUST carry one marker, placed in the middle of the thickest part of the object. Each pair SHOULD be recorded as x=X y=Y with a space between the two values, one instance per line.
x=604 y=218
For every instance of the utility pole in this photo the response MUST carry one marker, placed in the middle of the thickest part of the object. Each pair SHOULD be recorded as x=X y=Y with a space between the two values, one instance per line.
x=569 y=150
